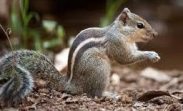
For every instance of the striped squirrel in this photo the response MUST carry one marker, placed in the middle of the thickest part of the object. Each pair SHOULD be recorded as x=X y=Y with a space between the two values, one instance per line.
x=88 y=64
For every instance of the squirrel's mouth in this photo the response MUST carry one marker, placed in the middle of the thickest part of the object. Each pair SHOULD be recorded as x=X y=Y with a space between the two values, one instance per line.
x=146 y=39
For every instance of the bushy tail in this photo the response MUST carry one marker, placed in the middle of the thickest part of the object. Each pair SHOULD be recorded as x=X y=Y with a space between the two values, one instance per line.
x=17 y=87
x=17 y=70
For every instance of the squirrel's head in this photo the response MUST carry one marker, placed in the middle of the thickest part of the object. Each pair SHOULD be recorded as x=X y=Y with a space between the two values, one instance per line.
x=135 y=28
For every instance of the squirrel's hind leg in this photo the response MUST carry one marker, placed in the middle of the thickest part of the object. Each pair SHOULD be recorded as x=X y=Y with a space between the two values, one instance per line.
x=96 y=77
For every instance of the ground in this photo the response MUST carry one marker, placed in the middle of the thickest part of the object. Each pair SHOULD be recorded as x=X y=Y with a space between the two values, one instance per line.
x=139 y=90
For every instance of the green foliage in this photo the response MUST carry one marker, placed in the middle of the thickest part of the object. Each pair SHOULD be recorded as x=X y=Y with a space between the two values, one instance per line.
x=53 y=30
x=32 y=37
x=111 y=8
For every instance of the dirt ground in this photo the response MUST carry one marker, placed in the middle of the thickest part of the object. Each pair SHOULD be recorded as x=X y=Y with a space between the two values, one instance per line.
x=139 y=90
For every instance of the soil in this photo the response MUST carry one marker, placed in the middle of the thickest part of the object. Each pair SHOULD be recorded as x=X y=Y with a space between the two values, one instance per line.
x=136 y=92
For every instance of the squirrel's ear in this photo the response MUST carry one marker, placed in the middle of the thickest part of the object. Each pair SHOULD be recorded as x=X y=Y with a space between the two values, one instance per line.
x=126 y=10
x=124 y=15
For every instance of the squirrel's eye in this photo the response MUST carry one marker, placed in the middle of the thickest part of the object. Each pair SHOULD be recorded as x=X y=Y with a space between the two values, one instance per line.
x=140 y=25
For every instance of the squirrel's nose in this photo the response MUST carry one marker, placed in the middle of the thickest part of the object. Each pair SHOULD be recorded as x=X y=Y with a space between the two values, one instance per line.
x=155 y=34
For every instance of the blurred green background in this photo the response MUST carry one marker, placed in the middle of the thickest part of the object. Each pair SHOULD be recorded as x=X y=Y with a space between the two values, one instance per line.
x=47 y=25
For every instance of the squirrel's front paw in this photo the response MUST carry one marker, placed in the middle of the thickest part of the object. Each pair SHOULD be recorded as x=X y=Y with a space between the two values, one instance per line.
x=152 y=56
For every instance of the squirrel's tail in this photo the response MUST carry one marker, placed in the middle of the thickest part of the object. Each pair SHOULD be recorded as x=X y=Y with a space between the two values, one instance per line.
x=17 y=86
x=17 y=70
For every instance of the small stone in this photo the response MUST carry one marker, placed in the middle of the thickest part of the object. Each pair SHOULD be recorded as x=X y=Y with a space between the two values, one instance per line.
x=115 y=79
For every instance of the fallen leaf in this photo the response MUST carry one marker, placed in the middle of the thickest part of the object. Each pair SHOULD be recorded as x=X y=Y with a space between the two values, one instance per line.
x=155 y=74
x=152 y=94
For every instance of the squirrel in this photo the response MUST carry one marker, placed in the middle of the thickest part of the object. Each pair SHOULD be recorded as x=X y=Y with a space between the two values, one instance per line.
x=88 y=64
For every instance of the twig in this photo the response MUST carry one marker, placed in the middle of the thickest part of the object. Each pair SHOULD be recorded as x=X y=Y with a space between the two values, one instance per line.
x=7 y=36
x=7 y=33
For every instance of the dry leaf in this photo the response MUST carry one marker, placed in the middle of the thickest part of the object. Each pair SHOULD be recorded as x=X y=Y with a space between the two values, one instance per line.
x=156 y=75
x=152 y=94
